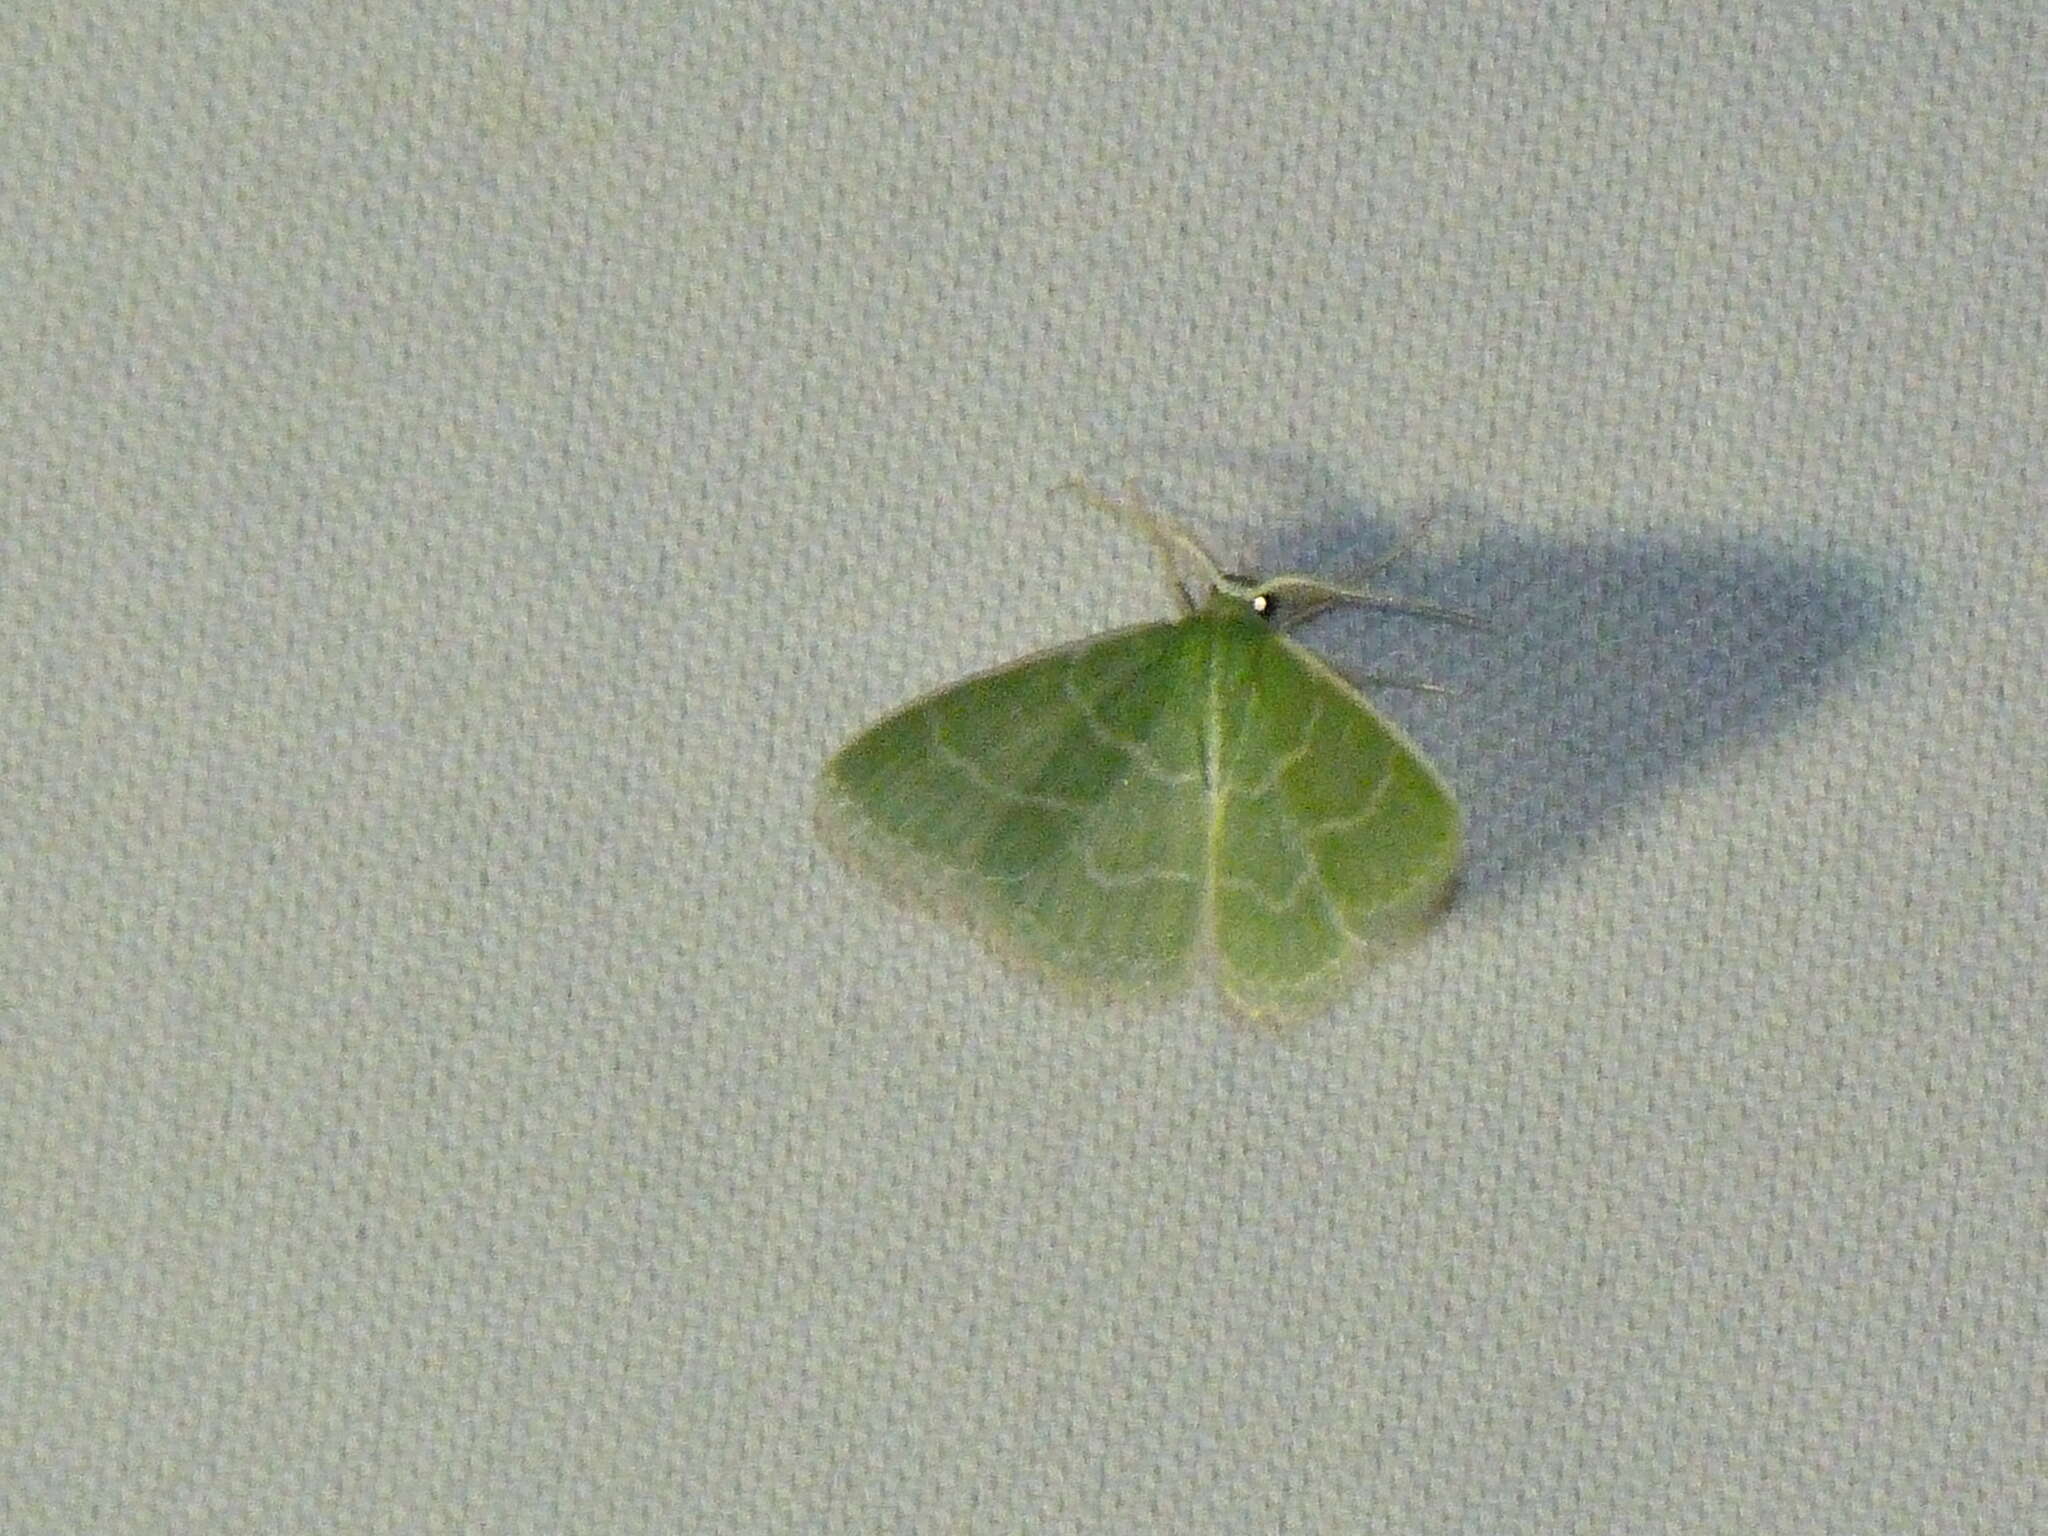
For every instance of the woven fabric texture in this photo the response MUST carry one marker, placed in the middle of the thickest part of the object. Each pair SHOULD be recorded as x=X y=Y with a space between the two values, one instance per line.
x=466 y=469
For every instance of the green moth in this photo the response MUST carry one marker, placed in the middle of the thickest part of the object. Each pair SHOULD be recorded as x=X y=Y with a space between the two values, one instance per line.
x=1115 y=808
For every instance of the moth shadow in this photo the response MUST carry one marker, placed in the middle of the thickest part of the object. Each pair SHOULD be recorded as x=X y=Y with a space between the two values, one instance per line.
x=1611 y=669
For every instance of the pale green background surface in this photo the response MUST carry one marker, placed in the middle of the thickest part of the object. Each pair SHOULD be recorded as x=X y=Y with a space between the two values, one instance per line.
x=465 y=468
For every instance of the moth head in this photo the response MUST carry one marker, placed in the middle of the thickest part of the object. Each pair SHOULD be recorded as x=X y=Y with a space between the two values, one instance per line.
x=1245 y=595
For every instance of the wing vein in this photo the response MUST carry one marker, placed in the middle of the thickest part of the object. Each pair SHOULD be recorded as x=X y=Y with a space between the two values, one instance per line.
x=1132 y=747
x=976 y=775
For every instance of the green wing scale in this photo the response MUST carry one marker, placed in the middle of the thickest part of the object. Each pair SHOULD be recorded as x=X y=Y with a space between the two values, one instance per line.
x=1111 y=808
x=1332 y=838
x=1059 y=800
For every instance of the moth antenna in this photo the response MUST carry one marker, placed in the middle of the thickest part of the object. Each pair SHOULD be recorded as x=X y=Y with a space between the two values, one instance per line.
x=1172 y=542
x=1317 y=596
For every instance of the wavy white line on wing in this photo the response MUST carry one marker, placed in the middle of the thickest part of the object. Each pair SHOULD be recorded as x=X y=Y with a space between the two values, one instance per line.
x=973 y=772
x=1269 y=781
x=1138 y=751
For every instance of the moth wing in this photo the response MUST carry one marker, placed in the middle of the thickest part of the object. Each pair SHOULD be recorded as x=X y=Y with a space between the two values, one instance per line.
x=1334 y=837
x=1058 y=803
